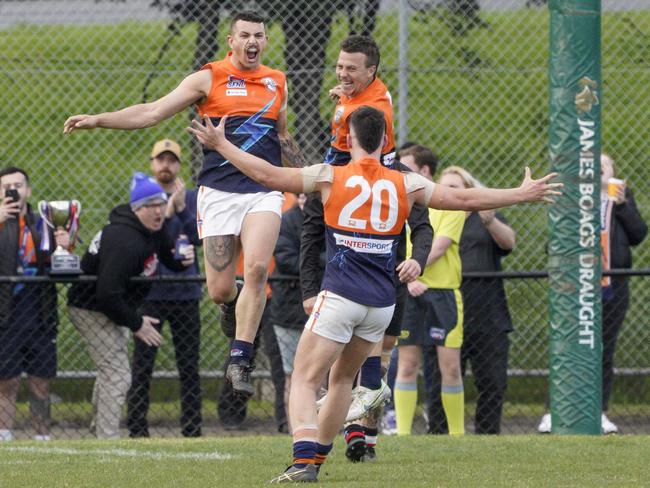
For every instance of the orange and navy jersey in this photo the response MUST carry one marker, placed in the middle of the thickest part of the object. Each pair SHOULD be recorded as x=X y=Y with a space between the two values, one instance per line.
x=376 y=96
x=252 y=100
x=364 y=216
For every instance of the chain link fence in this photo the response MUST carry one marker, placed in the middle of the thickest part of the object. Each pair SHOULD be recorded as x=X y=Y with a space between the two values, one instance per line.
x=468 y=79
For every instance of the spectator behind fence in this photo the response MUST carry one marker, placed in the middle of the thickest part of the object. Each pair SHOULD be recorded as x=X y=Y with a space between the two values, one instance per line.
x=287 y=313
x=486 y=238
x=433 y=320
x=621 y=228
x=178 y=303
x=103 y=312
x=28 y=313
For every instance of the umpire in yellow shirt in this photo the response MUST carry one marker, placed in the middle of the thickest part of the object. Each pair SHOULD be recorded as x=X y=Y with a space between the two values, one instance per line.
x=434 y=311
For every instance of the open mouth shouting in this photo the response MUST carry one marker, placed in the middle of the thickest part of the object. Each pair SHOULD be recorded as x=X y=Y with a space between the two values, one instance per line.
x=252 y=55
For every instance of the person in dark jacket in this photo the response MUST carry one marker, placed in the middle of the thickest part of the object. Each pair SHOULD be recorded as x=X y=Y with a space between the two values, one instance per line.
x=104 y=312
x=178 y=303
x=286 y=310
x=622 y=227
x=28 y=313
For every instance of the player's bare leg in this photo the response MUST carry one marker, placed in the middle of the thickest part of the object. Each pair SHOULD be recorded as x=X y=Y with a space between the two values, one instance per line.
x=259 y=234
x=314 y=357
x=220 y=254
x=333 y=413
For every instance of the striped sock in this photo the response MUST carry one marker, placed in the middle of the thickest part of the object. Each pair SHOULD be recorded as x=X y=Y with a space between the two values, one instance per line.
x=322 y=451
x=304 y=453
x=453 y=403
x=406 y=399
x=371 y=436
x=353 y=431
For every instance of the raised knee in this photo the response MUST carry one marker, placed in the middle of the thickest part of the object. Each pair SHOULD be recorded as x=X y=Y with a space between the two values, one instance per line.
x=256 y=273
x=220 y=294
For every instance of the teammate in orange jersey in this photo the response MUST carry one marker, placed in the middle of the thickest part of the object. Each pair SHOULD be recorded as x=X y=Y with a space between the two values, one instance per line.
x=233 y=212
x=359 y=85
x=366 y=205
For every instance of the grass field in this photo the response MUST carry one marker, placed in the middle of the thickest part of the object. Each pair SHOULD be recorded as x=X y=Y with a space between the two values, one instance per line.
x=521 y=461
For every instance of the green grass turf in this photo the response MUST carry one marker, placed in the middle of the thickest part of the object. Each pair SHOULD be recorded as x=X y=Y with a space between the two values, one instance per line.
x=523 y=461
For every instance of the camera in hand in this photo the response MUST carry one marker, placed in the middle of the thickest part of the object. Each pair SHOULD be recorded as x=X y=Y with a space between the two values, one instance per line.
x=13 y=194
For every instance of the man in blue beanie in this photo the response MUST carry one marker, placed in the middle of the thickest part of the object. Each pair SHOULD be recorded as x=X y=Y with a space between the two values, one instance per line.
x=131 y=245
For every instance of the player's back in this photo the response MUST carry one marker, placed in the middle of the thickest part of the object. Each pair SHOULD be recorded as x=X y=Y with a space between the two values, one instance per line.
x=364 y=215
x=252 y=100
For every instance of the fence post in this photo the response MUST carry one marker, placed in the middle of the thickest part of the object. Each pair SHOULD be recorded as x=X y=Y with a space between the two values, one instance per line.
x=574 y=245
x=402 y=102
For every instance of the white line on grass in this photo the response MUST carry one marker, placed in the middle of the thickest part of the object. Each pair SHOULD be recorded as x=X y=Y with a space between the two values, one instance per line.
x=131 y=453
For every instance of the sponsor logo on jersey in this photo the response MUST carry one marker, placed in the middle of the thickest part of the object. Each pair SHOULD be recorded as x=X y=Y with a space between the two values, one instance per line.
x=364 y=245
x=236 y=92
x=338 y=114
x=437 y=334
x=270 y=84
x=234 y=82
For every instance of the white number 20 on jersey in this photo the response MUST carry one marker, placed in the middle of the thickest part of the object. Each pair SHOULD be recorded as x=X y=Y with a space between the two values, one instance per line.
x=376 y=193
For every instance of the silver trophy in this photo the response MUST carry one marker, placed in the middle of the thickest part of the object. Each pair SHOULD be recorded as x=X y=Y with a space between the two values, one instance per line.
x=62 y=214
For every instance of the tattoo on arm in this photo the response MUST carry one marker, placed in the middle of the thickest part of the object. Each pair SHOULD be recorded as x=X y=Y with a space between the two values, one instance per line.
x=220 y=251
x=292 y=156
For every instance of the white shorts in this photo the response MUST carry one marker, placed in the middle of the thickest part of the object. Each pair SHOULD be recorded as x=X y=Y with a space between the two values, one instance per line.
x=221 y=213
x=338 y=319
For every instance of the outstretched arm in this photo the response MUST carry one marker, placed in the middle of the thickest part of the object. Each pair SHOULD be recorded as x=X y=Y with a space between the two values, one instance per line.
x=476 y=199
x=192 y=89
x=272 y=177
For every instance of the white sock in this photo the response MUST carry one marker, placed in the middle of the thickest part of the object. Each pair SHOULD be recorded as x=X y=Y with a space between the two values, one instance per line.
x=45 y=437
x=6 y=435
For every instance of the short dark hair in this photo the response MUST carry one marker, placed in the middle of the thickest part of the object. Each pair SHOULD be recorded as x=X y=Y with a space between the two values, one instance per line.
x=369 y=127
x=247 y=16
x=406 y=145
x=422 y=155
x=9 y=170
x=365 y=45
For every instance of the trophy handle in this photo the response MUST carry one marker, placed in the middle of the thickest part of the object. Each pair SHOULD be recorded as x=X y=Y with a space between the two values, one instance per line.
x=43 y=210
x=73 y=228
x=77 y=206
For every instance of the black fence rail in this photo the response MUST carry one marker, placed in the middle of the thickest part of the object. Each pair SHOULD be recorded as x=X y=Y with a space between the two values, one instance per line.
x=178 y=389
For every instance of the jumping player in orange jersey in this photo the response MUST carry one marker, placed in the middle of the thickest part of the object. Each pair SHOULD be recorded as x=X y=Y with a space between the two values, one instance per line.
x=366 y=205
x=234 y=213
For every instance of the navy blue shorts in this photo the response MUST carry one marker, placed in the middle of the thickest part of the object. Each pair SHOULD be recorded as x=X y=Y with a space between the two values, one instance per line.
x=27 y=345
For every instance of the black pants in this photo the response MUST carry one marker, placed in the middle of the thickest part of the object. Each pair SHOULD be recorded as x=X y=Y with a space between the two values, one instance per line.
x=487 y=353
x=614 y=311
x=185 y=324
x=232 y=407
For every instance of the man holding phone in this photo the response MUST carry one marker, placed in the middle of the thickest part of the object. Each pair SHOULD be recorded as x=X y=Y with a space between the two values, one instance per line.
x=28 y=312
